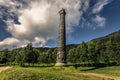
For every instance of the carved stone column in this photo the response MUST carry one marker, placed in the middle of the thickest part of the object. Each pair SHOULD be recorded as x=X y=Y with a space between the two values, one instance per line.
x=61 y=54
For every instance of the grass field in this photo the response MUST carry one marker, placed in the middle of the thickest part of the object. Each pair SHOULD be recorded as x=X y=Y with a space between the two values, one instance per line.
x=57 y=73
x=111 y=71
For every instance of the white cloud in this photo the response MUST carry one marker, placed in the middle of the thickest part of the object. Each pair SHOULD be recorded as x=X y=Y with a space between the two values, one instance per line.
x=100 y=5
x=7 y=3
x=9 y=41
x=39 y=19
x=100 y=21
x=92 y=18
x=12 y=43
x=3 y=2
x=39 y=42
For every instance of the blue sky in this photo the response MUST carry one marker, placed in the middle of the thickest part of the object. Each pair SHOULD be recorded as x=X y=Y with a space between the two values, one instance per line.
x=112 y=14
x=37 y=21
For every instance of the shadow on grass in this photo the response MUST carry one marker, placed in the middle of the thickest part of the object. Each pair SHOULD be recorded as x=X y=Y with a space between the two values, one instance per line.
x=2 y=65
x=38 y=66
x=94 y=68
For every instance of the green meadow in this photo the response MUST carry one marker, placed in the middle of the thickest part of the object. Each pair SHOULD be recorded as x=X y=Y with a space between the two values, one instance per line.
x=57 y=73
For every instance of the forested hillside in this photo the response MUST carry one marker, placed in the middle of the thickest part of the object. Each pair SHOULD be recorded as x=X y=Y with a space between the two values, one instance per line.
x=104 y=51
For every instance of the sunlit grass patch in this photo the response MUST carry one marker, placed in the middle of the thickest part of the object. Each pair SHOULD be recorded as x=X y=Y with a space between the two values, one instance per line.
x=46 y=73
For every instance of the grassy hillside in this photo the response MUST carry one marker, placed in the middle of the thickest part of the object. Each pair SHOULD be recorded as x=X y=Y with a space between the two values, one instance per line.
x=56 y=73
x=52 y=73
x=60 y=73
x=115 y=37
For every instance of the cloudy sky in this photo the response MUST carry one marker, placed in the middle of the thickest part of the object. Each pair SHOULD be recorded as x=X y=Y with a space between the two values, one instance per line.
x=37 y=21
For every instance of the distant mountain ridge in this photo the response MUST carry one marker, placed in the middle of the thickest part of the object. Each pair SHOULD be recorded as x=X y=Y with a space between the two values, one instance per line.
x=109 y=35
x=103 y=51
x=104 y=38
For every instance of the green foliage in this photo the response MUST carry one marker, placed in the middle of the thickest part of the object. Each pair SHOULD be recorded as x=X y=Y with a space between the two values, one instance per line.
x=21 y=58
x=4 y=56
x=102 y=51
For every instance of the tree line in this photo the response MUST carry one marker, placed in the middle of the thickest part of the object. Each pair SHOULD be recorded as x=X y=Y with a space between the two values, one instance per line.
x=104 y=51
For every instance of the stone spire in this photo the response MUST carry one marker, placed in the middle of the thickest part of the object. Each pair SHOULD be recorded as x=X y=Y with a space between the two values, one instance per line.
x=61 y=54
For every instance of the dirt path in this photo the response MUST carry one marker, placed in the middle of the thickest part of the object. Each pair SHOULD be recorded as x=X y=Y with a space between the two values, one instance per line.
x=104 y=77
x=4 y=68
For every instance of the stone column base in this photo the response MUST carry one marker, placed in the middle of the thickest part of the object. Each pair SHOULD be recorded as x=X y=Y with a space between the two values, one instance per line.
x=60 y=64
